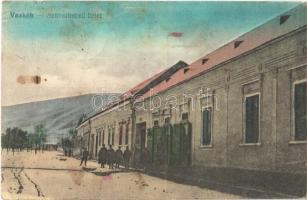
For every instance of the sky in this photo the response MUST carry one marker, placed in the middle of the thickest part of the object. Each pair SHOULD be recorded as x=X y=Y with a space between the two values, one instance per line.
x=95 y=47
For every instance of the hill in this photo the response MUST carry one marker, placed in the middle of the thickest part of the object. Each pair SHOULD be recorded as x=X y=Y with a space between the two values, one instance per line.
x=58 y=115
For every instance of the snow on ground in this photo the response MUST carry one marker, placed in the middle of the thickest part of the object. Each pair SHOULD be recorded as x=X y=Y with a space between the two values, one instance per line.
x=49 y=175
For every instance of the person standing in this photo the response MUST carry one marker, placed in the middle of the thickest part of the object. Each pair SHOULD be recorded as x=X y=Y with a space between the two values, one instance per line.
x=127 y=156
x=119 y=157
x=111 y=157
x=84 y=156
x=102 y=156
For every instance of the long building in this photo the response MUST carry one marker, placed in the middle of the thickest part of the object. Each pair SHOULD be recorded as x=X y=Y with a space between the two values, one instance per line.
x=242 y=106
x=114 y=124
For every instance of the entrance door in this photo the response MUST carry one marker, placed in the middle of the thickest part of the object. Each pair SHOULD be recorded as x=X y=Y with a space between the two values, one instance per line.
x=140 y=151
x=170 y=145
x=181 y=144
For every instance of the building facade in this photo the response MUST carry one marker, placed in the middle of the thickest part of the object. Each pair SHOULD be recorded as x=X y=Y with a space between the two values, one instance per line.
x=245 y=103
x=114 y=125
x=247 y=108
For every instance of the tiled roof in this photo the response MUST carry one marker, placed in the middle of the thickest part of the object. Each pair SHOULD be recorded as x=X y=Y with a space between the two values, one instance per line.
x=278 y=26
x=142 y=87
x=139 y=86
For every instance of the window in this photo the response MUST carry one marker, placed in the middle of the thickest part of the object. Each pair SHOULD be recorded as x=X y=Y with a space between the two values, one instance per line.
x=156 y=123
x=237 y=43
x=109 y=136
x=99 y=137
x=120 y=141
x=113 y=134
x=204 y=60
x=206 y=126
x=252 y=119
x=300 y=111
x=127 y=134
x=167 y=120
x=283 y=19
x=185 y=116
x=103 y=137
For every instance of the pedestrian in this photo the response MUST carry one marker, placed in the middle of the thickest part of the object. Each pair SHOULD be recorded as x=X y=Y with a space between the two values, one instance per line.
x=84 y=156
x=119 y=157
x=69 y=152
x=127 y=156
x=102 y=156
x=111 y=157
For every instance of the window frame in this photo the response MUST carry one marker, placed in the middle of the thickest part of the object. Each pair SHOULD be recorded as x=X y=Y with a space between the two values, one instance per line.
x=155 y=123
x=258 y=143
x=109 y=136
x=202 y=127
x=293 y=118
x=120 y=135
x=103 y=136
x=167 y=120
x=185 y=113
x=113 y=136
x=99 y=138
x=127 y=134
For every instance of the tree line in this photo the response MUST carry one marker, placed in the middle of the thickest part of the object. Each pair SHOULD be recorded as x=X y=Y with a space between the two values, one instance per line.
x=17 y=139
x=68 y=141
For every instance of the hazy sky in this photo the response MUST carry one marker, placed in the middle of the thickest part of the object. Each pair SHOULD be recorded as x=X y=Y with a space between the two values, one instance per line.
x=124 y=44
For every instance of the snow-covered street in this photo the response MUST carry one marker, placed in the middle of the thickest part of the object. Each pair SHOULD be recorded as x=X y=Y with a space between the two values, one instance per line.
x=50 y=175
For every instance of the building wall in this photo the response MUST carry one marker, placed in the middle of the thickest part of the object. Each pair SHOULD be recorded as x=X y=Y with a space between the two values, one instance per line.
x=107 y=121
x=267 y=70
x=82 y=139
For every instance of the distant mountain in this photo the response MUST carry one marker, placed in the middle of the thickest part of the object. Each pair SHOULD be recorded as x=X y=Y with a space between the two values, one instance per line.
x=58 y=115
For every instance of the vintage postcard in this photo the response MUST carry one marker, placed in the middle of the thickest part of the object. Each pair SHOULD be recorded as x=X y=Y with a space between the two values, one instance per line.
x=153 y=100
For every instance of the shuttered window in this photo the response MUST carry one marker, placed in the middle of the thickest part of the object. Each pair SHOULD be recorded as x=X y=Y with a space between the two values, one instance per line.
x=252 y=119
x=300 y=111
x=207 y=126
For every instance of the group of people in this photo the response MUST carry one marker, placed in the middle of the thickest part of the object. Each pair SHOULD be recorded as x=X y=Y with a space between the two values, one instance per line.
x=108 y=156
x=114 y=158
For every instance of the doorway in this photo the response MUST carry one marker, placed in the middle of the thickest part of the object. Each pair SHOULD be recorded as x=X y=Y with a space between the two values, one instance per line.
x=140 y=140
x=141 y=135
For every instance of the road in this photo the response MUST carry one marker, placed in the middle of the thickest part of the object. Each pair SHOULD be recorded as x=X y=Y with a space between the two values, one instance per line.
x=50 y=175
